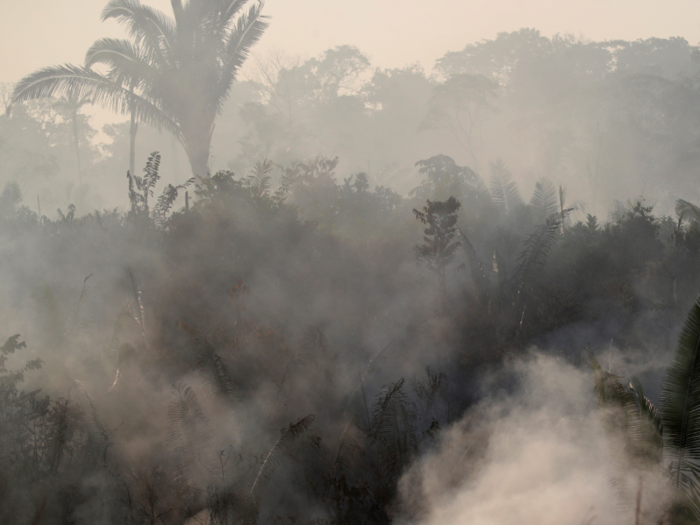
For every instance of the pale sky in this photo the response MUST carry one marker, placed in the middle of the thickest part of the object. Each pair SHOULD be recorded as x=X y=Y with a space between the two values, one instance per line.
x=393 y=33
x=37 y=33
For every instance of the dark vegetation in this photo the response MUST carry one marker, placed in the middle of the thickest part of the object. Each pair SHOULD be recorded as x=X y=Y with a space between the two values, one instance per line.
x=233 y=359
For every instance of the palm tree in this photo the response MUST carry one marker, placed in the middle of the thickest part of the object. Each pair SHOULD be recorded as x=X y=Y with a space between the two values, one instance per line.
x=641 y=436
x=174 y=72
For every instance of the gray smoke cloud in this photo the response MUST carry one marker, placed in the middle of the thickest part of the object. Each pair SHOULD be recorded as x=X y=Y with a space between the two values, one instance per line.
x=540 y=457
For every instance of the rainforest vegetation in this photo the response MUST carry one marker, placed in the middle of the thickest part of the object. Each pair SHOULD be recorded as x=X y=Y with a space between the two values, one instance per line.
x=359 y=298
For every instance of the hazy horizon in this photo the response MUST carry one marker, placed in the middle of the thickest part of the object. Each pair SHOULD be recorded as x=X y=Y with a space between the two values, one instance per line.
x=62 y=33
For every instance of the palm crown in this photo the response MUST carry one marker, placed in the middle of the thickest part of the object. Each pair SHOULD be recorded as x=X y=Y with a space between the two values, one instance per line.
x=173 y=72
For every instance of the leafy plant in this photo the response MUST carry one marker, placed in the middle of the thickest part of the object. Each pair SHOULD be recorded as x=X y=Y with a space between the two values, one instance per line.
x=640 y=435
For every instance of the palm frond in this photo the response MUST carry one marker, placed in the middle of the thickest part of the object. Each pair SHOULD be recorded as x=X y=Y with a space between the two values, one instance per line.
x=650 y=425
x=73 y=81
x=259 y=180
x=621 y=422
x=283 y=445
x=249 y=29
x=149 y=27
x=544 y=199
x=504 y=191
x=531 y=260
x=189 y=433
x=229 y=10
x=128 y=64
x=680 y=404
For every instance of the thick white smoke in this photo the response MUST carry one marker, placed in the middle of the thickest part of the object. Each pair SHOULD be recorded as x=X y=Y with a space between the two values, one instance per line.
x=537 y=458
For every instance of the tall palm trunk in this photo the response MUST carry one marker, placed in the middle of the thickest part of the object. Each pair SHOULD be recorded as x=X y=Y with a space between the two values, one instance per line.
x=197 y=145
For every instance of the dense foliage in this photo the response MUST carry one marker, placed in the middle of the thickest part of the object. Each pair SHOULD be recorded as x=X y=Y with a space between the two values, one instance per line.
x=259 y=356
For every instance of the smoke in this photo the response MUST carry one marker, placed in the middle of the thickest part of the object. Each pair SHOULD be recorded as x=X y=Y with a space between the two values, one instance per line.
x=538 y=457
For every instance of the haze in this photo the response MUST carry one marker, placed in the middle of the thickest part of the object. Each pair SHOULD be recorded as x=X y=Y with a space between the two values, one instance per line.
x=350 y=263
x=392 y=33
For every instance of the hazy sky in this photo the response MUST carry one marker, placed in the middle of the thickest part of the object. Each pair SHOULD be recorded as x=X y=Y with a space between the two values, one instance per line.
x=393 y=33
x=37 y=33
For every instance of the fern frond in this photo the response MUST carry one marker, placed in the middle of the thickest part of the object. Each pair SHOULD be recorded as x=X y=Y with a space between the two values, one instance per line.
x=393 y=430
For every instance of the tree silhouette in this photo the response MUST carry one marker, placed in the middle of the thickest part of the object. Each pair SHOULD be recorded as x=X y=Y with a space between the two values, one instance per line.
x=438 y=250
x=174 y=73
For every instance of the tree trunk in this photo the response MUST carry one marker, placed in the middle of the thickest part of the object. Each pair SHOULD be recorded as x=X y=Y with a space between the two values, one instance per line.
x=197 y=147
x=76 y=139
x=133 y=128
